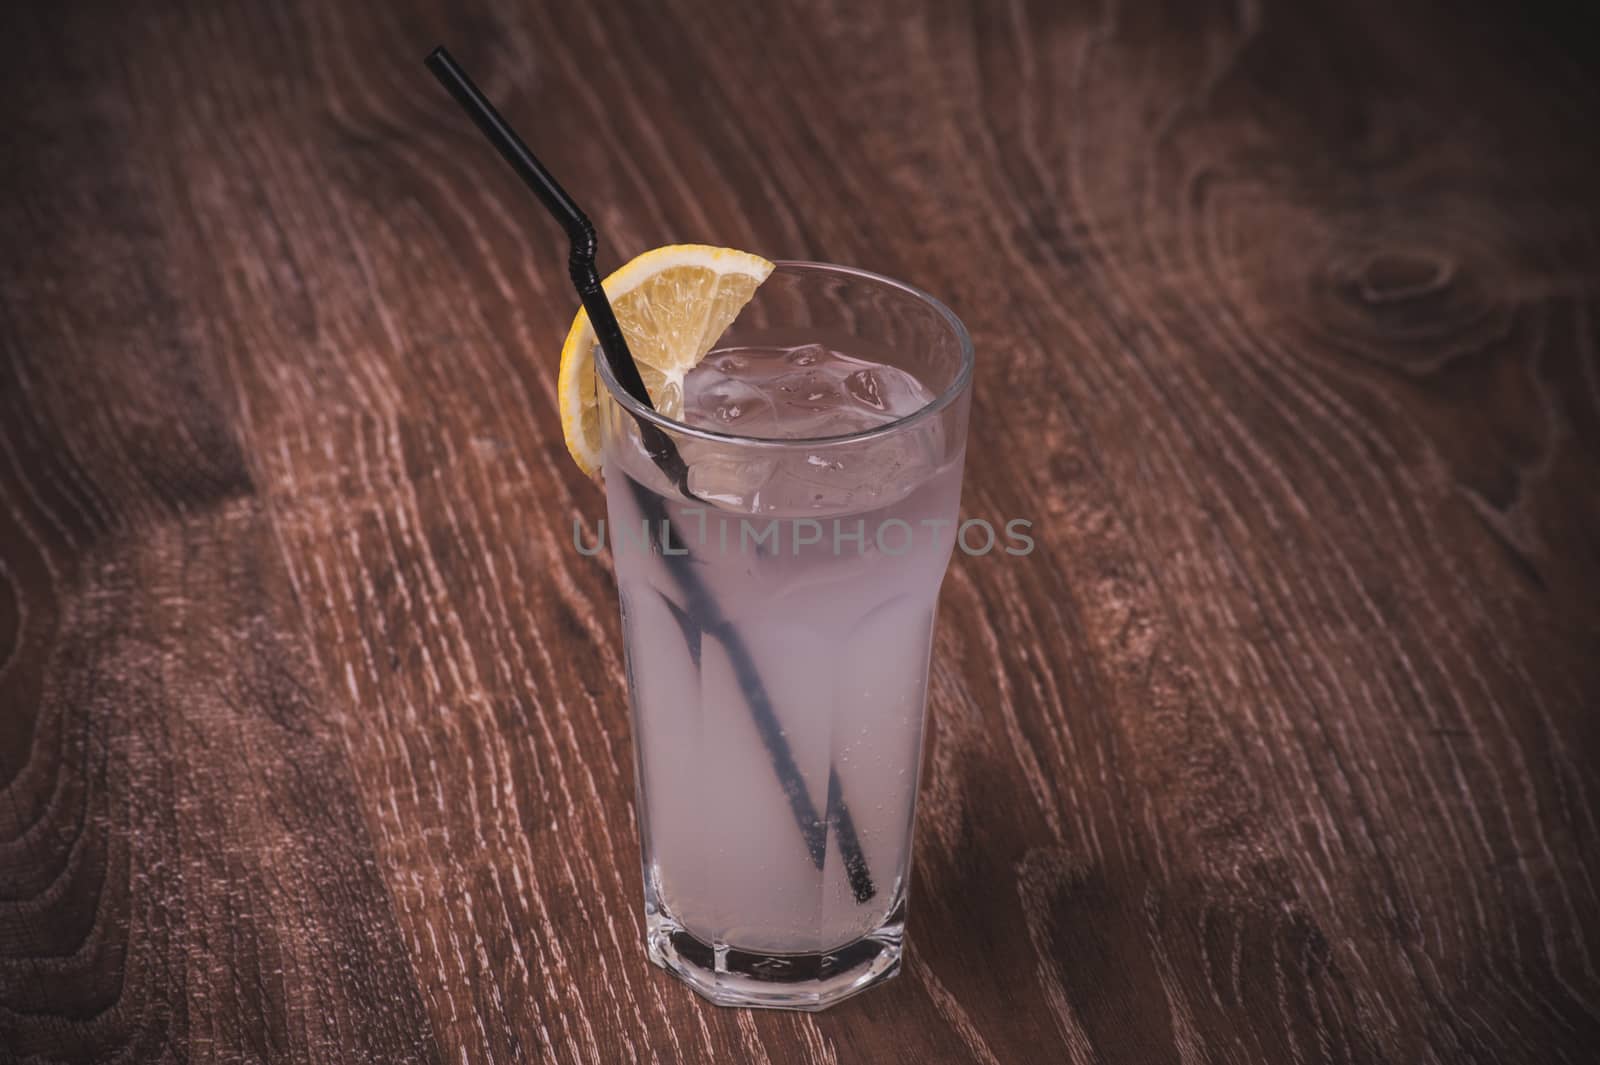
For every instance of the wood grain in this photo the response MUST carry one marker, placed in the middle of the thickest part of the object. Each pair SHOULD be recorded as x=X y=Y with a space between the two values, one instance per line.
x=1280 y=748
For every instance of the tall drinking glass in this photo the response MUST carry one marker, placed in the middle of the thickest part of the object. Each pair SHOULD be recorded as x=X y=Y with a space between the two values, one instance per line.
x=778 y=621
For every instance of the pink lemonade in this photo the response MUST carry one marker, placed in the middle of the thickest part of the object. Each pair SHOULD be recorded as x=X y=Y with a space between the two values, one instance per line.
x=778 y=643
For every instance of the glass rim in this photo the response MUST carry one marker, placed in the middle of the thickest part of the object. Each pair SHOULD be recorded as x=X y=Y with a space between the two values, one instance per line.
x=947 y=396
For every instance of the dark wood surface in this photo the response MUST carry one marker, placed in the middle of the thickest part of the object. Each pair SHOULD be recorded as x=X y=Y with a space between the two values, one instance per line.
x=1280 y=748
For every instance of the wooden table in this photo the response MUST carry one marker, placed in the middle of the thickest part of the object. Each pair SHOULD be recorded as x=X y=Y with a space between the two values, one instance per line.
x=1280 y=748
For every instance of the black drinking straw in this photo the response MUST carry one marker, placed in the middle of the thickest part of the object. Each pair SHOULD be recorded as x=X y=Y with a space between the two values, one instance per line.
x=662 y=451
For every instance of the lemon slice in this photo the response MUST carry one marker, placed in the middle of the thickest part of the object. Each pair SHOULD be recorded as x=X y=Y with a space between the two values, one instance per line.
x=673 y=303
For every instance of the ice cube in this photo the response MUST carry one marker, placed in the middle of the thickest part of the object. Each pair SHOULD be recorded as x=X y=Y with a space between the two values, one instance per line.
x=817 y=395
x=800 y=386
x=864 y=387
x=729 y=481
x=805 y=355
x=800 y=422
x=812 y=482
x=728 y=401
x=888 y=389
x=803 y=399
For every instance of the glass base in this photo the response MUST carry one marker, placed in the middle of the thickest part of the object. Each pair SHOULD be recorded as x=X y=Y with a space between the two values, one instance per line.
x=729 y=976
